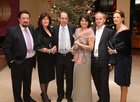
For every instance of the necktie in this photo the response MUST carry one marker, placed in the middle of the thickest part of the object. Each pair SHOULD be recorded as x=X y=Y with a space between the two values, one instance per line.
x=28 y=39
x=63 y=38
x=62 y=41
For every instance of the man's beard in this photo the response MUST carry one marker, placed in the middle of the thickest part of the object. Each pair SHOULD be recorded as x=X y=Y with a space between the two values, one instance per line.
x=25 y=25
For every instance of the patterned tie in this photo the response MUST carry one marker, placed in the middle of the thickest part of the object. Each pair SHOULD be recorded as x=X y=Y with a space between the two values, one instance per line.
x=28 y=39
x=63 y=38
x=62 y=41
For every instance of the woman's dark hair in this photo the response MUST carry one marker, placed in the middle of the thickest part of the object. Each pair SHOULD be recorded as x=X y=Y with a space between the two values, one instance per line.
x=87 y=18
x=121 y=14
x=43 y=15
x=23 y=11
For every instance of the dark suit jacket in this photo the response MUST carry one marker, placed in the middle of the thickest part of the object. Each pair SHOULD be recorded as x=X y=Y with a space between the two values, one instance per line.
x=14 y=45
x=103 y=54
x=71 y=32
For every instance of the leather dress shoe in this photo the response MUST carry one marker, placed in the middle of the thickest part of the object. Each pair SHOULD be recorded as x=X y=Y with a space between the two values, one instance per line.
x=69 y=100
x=59 y=99
x=98 y=101
x=43 y=97
x=30 y=100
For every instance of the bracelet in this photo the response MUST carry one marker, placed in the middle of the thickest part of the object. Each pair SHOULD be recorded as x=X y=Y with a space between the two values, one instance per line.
x=12 y=61
x=115 y=51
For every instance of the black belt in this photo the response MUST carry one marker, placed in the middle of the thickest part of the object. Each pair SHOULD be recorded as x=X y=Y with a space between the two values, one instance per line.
x=65 y=54
x=96 y=58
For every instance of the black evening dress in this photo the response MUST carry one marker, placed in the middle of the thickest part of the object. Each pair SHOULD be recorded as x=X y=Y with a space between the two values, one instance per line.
x=45 y=60
x=123 y=59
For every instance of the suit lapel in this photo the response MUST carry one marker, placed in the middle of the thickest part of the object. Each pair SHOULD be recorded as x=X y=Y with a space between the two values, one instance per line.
x=103 y=35
x=20 y=34
x=57 y=34
x=70 y=33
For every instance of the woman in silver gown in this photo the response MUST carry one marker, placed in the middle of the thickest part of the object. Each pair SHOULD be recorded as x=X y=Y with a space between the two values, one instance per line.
x=84 y=41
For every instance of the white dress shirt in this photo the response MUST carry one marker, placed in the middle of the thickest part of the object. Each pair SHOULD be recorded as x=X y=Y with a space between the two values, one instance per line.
x=64 y=40
x=99 y=32
x=30 y=51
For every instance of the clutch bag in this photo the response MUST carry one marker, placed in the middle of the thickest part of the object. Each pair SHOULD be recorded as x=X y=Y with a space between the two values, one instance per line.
x=109 y=44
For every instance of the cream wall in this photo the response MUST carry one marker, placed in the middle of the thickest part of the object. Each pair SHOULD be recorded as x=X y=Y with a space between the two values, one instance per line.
x=124 y=5
x=43 y=6
x=35 y=7
x=32 y=7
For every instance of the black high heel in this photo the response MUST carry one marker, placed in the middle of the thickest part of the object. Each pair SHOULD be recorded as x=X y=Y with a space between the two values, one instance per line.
x=44 y=97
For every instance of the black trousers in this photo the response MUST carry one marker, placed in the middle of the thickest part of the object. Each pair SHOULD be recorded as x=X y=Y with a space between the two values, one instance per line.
x=100 y=76
x=21 y=76
x=64 y=66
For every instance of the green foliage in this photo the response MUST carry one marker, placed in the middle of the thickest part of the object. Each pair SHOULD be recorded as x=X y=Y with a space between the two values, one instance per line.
x=74 y=8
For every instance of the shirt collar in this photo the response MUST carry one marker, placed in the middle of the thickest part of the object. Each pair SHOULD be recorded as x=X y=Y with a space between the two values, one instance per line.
x=63 y=26
x=22 y=28
x=100 y=28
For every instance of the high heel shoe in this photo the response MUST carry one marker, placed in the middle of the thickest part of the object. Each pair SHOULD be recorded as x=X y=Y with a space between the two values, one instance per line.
x=41 y=96
x=45 y=98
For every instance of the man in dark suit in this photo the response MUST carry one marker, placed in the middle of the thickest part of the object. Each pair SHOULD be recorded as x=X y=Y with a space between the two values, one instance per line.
x=99 y=64
x=18 y=47
x=64 y=40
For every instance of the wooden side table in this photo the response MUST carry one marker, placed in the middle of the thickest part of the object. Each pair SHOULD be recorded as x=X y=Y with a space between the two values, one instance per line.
x=135 y=41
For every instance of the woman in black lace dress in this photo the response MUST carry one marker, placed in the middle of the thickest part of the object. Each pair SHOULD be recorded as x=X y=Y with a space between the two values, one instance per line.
x=46 y=48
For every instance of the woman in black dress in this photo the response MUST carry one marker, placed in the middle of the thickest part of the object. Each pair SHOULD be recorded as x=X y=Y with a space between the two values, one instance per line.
x=46 y=48
x=122 y=54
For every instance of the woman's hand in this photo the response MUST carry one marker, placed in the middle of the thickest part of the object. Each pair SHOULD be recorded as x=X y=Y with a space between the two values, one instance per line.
x=53 y=50
x=72 y=50
x=77 y=42
x=112 y=51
